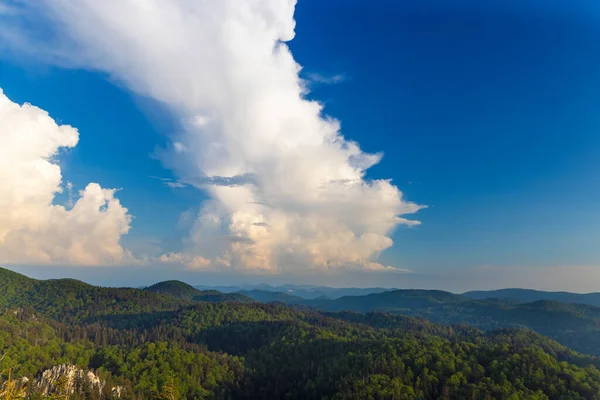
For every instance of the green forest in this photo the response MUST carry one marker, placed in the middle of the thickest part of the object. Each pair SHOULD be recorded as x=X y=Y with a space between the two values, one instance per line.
x=172 y=341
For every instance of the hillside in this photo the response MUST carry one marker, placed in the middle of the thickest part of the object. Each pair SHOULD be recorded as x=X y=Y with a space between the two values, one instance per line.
x=177 y=289
x=396 y=300
x=302 y=291
x=266 y=296
x=529 y=295
x=155 y=346
x=314 y=292
x=66 y=299
x=574 y=325
x=253 y=350
x=216 y=296
x=184 y=291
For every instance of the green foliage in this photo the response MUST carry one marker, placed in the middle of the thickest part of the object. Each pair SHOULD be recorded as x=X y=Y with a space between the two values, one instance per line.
x=163 y=346
x=529 y=295
x=184 y=291
x=177 y=289
x=266 y=296
x=69 y=299
x=574 y=325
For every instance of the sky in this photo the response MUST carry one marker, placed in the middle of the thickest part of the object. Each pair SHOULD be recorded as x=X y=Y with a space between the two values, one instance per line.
x=434 y=144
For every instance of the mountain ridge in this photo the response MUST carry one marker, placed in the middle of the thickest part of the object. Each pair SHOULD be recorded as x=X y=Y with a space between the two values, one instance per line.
x=529 y=295
x=574 y=325
x=156 y=346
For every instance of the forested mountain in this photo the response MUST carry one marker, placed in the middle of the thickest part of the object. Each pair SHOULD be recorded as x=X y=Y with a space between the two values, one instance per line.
x=215 y=296
x=156 y=346
x=266 y=296
x=395 y=300
x=314 y=292
x=529 y=295
x=69 y=299
x=177 y=289
x=302 y=291
x=184 y=291
x=574 y=325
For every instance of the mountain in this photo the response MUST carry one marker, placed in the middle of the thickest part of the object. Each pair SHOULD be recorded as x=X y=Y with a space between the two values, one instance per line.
x=574 y=325
x=149 y=345
x=304 y=291
x=216 y=296
x=177 y=289
x=184 y=291
x=222 y=289
x=529 y=295
x=266 y=296
x=395 y=300
x=66 y=299
x=313 y=292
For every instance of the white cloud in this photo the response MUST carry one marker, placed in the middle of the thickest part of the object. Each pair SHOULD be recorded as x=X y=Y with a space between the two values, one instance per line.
x=191 y=262
x=288 y=191
x=169 y=182
x=175 y=185
x=366 y=266
x=327 y=79
x=33 y=230
x=179 y=147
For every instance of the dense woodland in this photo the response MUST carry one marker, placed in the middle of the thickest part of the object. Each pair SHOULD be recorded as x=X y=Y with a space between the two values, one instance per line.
x=170 y=342
x=573 y=325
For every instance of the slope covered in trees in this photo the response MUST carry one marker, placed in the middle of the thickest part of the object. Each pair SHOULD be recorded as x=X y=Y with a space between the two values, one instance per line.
x=184 y=291
x=574 y=325
x=529 y=295
x=266 y=296
x=177 y=289
x=196 y=349
x=69 y=299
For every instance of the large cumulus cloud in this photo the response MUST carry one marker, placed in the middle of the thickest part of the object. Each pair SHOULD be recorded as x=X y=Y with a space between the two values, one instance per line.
x=287 y=189
x=34 y=230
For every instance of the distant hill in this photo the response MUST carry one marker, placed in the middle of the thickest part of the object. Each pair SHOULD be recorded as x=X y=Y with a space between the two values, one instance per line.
x=574 y=325
x=182 y=290
x=178 y=289
x=529 y=295
x=266 y=296
x=313 y=292
x=303 y=291
x=216 y=296
x=222 y=289
x=395 y=300
x=69 y=298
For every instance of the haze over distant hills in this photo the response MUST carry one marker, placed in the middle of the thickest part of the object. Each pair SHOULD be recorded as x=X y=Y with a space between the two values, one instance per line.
x=511 y=295
x=528 y=295
x=304 y=291
x=574 y=325
x=570 y=318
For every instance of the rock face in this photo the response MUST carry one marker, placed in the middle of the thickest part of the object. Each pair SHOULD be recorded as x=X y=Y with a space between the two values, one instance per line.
x=116 y=391
x=69 y=379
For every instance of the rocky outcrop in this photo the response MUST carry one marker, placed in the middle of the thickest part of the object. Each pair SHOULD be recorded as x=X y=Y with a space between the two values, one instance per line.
x=69 y=379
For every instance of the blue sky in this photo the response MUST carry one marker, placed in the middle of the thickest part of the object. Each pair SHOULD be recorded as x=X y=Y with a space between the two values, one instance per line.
x=491 y=114
x=486 y=112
